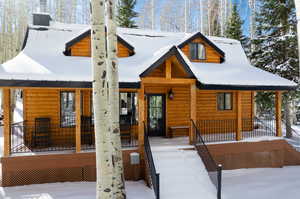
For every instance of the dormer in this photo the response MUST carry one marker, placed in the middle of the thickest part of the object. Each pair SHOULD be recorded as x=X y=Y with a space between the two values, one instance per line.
x=198 y=48
x=81 y=46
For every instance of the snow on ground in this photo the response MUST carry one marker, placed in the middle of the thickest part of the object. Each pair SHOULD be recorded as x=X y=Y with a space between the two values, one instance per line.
x=182 y=173
x=74 y=190
x=273 y=183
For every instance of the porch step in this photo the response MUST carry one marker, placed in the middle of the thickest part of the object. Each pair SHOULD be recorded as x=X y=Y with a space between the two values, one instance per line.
x=182 y=173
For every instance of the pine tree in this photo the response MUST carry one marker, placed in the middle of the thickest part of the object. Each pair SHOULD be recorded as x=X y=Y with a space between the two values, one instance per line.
x=234 y=25
x=126 y=13
x=276 y=48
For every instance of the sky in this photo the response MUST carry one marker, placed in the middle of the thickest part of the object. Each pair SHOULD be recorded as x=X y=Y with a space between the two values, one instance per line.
x=242 y=6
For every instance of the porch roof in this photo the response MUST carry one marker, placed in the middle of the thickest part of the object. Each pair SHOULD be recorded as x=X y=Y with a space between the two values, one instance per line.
x=42 y=62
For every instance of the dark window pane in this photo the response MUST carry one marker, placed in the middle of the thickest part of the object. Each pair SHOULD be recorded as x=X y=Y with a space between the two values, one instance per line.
x=220 y=101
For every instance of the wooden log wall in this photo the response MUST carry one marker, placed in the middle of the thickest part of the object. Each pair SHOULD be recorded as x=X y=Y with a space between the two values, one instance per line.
x=83 y=49
x=213 y=120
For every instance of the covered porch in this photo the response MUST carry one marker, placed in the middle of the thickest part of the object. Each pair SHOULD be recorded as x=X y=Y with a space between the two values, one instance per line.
x=60 y=120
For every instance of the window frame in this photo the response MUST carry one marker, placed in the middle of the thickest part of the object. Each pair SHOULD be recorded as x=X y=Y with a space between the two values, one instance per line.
x=60 y=107
x=197 y=53
x=135 y=119
x=224 y=101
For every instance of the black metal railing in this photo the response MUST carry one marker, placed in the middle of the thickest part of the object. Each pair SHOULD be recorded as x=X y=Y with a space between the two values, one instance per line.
x=154 y=176
x=46 y=136
x=214 y=170
x=217 y=130
x=225 y=130
x=257 y=127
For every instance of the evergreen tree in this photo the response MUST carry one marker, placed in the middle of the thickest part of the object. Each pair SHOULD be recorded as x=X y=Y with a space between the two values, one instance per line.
x=275 y=45
x=276 y=39
x=234 y=25
x=126 y=13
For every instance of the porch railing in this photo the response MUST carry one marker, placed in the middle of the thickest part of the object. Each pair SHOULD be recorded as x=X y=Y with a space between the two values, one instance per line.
x=28 y=138
x=153 y=175
x=225 y=130
x=214 y=170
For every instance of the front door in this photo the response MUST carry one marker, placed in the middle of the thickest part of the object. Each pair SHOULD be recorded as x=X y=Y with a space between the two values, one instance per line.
x=156 y=114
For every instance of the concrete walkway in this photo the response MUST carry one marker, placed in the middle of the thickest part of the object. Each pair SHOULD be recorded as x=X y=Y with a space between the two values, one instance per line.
x=182 y=173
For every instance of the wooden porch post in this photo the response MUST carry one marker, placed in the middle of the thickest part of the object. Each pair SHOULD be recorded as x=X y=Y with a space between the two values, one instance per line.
x=278 y=100
x=7 y=121
x=238 y=115
x=168 y=69
x=78 y=120
x=141 y=105
x=193 y=111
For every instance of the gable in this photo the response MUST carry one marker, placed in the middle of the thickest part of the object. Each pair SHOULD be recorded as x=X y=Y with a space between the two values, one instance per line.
x=169 y=65
x=212 y=53
x=81 y=46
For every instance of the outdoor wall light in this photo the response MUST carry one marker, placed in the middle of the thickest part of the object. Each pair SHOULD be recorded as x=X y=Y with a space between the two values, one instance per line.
x=171 y=94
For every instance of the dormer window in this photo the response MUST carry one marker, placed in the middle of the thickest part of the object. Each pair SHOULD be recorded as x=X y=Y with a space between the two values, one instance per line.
x=197 y=51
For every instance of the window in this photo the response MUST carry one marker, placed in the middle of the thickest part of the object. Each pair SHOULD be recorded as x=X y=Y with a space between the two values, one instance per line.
x=128 y=108
x=224 y=101
x=197 y=51
x=67 y=109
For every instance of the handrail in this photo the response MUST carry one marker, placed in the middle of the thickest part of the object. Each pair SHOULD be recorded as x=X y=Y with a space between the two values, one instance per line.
x=267 y=127
x=150 y=163
x=214 y=170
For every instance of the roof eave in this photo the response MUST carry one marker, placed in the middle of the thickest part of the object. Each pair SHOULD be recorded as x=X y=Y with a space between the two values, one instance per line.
x=58 y=84
x=245 y=87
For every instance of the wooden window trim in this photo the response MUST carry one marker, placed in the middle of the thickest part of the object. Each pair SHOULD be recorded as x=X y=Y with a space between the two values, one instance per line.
x=224 y=102
x=197 y=60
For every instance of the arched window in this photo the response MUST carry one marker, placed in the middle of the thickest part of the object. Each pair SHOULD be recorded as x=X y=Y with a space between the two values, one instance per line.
x=197 y=51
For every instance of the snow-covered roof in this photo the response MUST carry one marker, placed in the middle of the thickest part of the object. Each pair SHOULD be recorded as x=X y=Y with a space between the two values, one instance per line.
x=43 y=59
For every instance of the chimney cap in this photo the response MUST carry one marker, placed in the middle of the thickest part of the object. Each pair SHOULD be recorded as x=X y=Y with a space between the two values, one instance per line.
x=41 y=19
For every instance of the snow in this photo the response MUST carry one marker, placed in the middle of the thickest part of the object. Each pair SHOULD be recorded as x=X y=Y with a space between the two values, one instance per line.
x=43 y=58
x=273 y=183
x=68 y=190
x=182 y=173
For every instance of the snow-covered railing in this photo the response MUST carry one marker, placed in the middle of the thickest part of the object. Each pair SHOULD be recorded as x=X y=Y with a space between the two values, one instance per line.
x=214 y=170
x=154 y=176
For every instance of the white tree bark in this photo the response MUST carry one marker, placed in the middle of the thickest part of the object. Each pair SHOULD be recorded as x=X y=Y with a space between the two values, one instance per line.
x=112 y=69
x=100 y=100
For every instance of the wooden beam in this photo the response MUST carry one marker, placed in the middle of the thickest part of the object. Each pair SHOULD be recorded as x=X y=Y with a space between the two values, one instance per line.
x=238 y=115
x=7 y=121
x=278 y=100
x=141 y=107
x=168 y=69
x=159 y=80
x=78 y=120
x=193 y=111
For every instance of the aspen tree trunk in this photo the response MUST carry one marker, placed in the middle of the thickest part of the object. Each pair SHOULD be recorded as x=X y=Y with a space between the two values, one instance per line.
x=113 y=76
x=297 y=4
x=100 y=100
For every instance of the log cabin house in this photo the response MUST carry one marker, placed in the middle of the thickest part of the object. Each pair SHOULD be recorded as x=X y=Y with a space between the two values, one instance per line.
x=166 y=81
